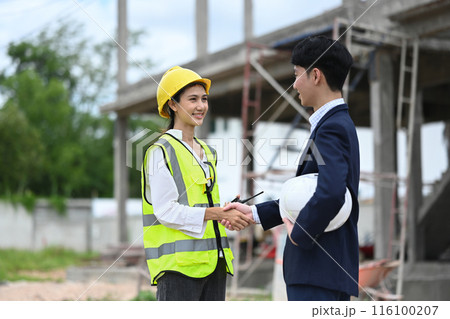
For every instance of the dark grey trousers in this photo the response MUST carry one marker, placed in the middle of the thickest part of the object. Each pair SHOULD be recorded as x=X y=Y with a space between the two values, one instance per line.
x=177 y=287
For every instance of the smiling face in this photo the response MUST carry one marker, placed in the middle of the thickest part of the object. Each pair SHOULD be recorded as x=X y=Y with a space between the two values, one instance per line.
x=192 y=107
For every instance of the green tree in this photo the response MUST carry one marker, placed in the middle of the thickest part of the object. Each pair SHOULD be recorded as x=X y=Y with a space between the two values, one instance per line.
x=52 y=140
x=20 y=150
x=47 y=109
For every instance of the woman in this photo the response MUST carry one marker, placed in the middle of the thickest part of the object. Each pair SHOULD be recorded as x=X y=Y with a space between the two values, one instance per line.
x=187 y=250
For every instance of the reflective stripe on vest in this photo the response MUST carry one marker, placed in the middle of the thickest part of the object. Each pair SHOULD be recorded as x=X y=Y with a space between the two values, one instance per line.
x=183 y=246
x=176 y=172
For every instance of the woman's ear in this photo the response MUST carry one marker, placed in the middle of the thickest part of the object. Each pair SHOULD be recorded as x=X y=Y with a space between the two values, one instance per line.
x=172 y=105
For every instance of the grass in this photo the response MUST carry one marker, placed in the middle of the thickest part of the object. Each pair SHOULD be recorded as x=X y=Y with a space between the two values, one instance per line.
x=14 y=264
x=145 y=295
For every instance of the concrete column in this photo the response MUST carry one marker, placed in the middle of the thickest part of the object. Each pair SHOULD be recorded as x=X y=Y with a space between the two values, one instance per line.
x=248 y=20
x=89 y=224
x=122 y=40
x=121 y=175
x=384 y=133
x=120 y=132
x=415 y=198
x=201 y=26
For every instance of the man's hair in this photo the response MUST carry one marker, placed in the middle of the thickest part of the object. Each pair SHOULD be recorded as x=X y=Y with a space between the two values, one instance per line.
x=329 y=56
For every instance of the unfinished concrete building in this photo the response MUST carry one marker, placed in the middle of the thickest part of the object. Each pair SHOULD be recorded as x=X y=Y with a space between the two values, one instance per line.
x=400 y=81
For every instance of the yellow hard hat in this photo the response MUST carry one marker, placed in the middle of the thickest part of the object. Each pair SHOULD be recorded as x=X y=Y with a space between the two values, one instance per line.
x=172 y=81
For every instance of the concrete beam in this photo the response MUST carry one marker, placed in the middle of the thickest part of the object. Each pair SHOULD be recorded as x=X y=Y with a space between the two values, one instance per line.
x=425 y=20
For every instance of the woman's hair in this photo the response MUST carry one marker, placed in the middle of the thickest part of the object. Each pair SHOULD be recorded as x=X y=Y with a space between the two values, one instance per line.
x=176 y=97
x=172 y=118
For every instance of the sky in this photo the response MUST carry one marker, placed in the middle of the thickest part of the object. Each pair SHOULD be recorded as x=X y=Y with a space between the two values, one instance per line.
x=169 y=24
x=170 y=40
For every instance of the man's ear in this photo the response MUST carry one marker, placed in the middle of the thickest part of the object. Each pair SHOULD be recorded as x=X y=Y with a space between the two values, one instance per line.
x=317 y=75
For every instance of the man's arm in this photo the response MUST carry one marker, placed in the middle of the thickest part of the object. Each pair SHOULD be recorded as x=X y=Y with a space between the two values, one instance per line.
x=331 y=186
x=269 y=214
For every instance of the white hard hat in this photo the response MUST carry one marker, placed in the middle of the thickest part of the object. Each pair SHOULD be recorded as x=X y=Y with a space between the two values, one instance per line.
x=297 y=191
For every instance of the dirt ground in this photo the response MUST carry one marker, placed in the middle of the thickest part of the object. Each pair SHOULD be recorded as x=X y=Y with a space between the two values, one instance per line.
x=60 y=289
x=57 y=288
x=66 y=291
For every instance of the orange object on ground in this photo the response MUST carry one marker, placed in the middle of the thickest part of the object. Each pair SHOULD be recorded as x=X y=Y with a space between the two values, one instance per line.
x=373 y=273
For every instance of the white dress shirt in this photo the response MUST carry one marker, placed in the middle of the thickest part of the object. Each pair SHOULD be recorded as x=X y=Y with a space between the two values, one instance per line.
x=162 y=192
x=314 y=119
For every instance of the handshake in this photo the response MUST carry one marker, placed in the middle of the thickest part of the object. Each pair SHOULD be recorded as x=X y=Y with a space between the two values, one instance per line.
x=238 y=215
x=234 y=216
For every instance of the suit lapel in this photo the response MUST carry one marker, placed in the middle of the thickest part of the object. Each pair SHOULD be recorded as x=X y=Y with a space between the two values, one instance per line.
x=305 y=153
x=330 y=113
x=307 y=148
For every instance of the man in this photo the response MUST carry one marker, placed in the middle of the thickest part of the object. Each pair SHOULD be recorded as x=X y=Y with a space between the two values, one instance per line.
x=320 y=265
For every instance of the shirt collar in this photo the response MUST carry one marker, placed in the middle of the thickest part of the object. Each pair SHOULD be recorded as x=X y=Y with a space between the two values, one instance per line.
x=315 y=118
x=176 y=133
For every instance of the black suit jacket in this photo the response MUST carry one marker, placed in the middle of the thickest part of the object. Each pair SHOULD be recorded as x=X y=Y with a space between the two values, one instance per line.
x=324 y=259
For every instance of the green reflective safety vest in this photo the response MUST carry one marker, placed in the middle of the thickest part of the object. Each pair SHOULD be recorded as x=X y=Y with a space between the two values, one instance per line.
x=168 y=249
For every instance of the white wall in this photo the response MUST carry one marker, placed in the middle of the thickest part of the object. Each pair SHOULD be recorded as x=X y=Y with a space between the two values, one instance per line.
x=76 y=230
x=16 y=227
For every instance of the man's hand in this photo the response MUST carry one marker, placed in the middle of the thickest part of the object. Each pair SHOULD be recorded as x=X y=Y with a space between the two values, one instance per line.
x=242 y=208
x=289 y=226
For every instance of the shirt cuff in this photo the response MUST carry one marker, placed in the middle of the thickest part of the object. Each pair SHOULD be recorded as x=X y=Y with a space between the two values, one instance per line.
x=255 y=214
x=195 y=219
